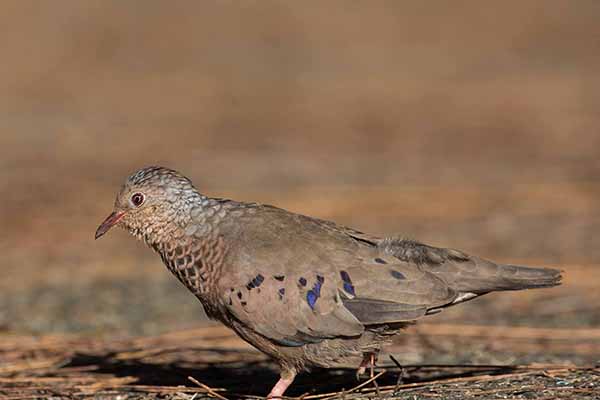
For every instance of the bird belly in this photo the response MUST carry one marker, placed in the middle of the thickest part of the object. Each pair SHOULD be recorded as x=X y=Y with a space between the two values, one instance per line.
x=328 y=353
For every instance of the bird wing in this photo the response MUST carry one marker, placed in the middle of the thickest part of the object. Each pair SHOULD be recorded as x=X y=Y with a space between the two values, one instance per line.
x=297 y=280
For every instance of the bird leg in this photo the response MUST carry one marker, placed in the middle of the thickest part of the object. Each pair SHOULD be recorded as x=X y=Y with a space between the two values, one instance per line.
x=286 y=378
x=369 y=360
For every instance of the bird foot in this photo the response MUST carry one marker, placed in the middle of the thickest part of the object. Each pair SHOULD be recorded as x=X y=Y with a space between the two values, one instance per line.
x=369 y=360
x=360 y=371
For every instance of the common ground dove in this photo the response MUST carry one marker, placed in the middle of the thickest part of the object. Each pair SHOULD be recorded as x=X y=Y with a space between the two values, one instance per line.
x=305 y=291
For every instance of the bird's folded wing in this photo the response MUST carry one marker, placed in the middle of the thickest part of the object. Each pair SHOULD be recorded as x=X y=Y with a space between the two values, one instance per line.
x=292 y=310
x=333 y=301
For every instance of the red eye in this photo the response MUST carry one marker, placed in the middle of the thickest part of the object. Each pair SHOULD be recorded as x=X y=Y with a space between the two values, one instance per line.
x=137 y=199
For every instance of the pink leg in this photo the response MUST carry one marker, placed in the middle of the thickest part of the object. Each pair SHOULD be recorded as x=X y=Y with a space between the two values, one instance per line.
x=369 y=360
x=361 y=370
x=287 y=377
x=373 y=360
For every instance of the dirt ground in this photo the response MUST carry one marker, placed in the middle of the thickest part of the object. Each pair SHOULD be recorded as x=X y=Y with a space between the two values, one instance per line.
x=459 y=124
x=464 y=362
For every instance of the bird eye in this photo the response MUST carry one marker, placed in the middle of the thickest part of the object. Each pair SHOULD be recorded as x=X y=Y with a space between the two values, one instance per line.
x=137 y=199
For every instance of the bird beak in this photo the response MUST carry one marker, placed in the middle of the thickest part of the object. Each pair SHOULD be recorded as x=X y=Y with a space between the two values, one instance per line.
x=108 y=223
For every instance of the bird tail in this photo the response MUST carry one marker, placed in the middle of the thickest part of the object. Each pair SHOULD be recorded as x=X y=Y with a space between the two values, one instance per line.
x=481 y=276
x=517 y=277
x=488 y=277
x=467 y=275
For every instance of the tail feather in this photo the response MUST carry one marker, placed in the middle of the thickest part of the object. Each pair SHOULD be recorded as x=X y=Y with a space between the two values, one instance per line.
x=481 y=276
x=468 y=275
x=520 y=277
x=510 y=277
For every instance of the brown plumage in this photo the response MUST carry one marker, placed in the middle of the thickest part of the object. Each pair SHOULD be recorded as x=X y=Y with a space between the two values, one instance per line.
x=305 y=291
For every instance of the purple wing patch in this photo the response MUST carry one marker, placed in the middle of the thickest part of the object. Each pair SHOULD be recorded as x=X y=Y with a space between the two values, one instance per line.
x=348 y=287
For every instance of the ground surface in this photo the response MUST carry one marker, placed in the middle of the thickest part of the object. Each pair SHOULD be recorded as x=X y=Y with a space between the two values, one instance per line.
x=201 y=362
x=461 y=125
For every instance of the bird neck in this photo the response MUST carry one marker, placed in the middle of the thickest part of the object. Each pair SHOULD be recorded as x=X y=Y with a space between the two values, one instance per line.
x=196 y=262
x=189 y=243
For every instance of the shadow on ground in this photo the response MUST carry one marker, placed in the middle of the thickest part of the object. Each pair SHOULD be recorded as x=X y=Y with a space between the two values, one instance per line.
x=257 y=377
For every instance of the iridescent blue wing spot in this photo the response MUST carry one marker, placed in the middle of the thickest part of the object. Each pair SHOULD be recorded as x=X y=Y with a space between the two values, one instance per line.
x=317 y=287
x=311 y=298
x=348 y=287
x=345 y=277
x=255 y=282
x=258 y=280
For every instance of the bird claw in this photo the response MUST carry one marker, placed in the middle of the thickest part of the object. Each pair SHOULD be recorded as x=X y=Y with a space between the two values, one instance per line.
x=369 y=361
x=360 y=371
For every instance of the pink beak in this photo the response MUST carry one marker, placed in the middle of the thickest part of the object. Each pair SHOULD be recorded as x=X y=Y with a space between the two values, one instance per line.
x=108 y=223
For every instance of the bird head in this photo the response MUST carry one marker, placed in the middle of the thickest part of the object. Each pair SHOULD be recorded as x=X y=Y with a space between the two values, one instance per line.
x=151 y=204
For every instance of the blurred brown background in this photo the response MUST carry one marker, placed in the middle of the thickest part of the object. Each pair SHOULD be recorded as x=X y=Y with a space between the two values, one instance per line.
x=456 y=123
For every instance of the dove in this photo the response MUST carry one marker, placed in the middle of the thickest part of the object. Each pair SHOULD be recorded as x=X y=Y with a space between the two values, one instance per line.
x=305 y=291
